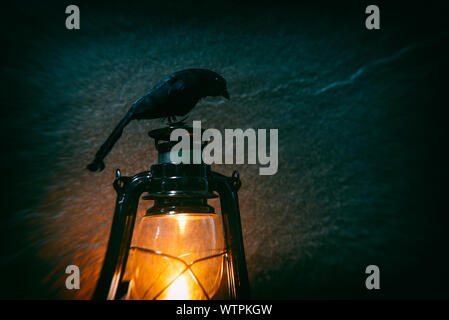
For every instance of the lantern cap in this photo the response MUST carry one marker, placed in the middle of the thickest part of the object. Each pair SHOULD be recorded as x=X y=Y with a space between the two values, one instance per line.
x=179 y=181
x=161 y=136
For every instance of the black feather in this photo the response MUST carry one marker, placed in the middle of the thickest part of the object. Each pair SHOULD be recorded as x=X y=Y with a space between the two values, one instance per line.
x=98 y=164
x=176 y=95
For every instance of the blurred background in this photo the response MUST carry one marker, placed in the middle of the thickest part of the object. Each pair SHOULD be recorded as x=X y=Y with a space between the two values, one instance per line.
x=362 y=137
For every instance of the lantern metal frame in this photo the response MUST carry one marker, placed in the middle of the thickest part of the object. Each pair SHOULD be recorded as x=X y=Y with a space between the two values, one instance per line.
x=174 y=187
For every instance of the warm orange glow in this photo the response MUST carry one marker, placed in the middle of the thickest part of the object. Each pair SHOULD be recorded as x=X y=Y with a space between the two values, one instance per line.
x=178 y=290
x=179 y=256
x=182 y=220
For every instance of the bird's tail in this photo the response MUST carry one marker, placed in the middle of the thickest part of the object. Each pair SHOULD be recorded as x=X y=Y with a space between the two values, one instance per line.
x=98 y=164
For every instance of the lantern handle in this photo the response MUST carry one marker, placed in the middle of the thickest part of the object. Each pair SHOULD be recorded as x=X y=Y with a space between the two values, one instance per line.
x=235 y=181
x=227 y=188
x=129 y=190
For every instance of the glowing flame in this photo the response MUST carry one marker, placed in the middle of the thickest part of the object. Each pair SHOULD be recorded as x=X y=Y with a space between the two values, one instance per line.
x=178 y=290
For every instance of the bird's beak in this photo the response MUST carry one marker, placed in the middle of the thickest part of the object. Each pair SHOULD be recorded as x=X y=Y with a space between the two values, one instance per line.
x=226 y=94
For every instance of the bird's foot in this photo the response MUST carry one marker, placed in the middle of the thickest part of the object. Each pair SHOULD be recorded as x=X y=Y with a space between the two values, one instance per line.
x=172 y=121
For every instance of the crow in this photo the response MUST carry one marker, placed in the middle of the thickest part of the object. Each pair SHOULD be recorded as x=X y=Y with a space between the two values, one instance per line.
x=174 y=96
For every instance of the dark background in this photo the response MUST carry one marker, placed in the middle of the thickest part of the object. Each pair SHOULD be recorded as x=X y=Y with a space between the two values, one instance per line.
x=362 y=137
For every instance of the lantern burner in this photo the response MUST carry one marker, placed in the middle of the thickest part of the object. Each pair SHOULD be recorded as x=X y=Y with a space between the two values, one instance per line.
x=177 y=188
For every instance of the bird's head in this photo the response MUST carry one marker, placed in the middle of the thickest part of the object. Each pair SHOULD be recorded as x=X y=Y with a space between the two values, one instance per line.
x=215 y=84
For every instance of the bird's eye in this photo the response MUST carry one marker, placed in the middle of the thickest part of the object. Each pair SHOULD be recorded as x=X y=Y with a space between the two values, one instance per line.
x=216 y=79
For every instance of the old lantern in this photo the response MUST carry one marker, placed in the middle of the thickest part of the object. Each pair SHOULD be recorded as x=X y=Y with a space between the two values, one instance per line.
x=183 y=247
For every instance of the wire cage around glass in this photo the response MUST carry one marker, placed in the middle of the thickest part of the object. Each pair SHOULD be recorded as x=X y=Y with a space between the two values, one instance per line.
x=179 y=255
x=183 y=248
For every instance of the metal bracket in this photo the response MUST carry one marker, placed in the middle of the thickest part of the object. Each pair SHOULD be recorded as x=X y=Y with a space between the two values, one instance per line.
x=235 y=181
